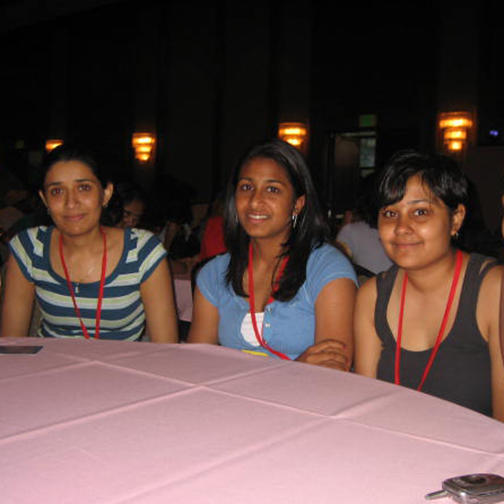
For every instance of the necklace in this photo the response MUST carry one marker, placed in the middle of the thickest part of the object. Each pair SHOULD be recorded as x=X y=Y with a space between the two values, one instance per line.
x=258 y=334
x=82 y=278
x=456 y=275
x=100 y=291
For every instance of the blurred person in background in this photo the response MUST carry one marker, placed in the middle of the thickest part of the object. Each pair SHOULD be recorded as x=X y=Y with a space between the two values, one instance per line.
x=127 y=206
x=360 y=237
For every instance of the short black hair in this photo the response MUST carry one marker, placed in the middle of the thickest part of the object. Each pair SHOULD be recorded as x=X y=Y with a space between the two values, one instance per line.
x=440 y=174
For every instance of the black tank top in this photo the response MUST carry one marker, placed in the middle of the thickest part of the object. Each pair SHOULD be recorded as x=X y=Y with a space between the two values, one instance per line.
x=461 y=370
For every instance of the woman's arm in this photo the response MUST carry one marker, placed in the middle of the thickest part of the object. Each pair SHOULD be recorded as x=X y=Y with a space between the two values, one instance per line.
x=205 y=321
x=159 y=305
x=488 y=321
x=368 y=346
x=17 y=303
x=333 y=326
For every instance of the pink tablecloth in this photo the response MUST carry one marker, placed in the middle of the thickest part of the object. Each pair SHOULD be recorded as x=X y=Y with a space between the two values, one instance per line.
x=114 y=422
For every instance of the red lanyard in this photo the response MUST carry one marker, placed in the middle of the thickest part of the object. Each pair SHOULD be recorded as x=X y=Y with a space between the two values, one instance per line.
x=456 y=275
x=258 y=335
x=100 y=292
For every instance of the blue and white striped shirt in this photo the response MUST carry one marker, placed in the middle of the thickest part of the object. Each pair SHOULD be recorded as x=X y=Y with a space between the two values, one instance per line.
x=122 y=316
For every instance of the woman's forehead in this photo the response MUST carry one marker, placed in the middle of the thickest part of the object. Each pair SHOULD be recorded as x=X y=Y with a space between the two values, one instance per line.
x=418 y=189
x=263 y=166
x=68 y=171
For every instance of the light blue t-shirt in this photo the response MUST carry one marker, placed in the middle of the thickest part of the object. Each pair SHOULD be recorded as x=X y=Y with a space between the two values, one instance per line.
x=289 y=327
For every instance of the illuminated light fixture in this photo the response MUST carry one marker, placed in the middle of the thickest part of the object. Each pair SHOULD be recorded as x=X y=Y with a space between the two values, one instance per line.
x=454 y=127
x=143 y=143
x=455 y=134
x=455 y=145
x=52 y=144
x=455 y=122
x=294 y=133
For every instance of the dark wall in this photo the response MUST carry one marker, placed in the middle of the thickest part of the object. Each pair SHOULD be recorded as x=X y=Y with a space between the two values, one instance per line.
x=211 y=79
x=100 y=77
x=382 y=60
x=25 y=81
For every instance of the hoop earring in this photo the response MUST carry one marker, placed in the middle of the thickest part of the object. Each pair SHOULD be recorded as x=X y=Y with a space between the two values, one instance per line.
x=294 y=220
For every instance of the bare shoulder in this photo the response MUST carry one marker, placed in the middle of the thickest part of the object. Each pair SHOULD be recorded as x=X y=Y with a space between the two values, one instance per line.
x=491 y=285
x=367 y=292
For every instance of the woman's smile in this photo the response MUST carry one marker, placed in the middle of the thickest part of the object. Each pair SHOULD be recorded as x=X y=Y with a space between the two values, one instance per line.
x=75 y=218
x=257 y=217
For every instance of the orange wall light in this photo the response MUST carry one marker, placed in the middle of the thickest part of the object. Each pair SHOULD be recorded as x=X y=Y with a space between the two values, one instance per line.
x=143 y=143
x=294 y=133
x=52 y=144
x=455 y=127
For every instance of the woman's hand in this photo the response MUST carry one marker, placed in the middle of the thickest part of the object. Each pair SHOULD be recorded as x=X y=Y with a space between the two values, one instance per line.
x=328 y=353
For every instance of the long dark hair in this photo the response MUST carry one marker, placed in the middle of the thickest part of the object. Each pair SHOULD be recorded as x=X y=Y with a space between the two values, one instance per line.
x=309 y=233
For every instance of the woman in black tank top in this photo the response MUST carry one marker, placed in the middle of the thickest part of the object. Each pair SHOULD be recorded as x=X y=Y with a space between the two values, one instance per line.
x=431 y=322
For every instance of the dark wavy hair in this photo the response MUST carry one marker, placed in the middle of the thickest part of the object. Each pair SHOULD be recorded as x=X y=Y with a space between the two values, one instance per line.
x=440 y=174
x=69 y=152
x=310 y=232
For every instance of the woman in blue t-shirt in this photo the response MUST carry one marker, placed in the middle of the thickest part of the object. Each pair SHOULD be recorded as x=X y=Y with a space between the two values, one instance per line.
x=89 y=280
x=281 y=290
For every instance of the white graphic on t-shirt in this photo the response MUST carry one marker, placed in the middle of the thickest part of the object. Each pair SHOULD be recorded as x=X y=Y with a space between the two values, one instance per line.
x=247 y=329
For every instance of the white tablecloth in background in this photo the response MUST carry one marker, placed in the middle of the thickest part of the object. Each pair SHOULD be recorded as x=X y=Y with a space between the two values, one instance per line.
x=114 y=422
x=183 y=297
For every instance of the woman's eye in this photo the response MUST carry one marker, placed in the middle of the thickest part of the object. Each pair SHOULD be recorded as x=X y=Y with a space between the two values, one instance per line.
x=85 y=187
x=421 y=212
x=388 y=214
x=55 y=191
x=273 y=189
x=245 y=187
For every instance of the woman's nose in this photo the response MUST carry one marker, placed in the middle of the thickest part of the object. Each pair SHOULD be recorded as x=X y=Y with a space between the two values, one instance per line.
x=402 y=225
x=71 y=199
x=255 y=198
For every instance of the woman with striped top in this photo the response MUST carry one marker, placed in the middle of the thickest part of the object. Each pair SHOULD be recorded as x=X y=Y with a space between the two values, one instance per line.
x=89 y=280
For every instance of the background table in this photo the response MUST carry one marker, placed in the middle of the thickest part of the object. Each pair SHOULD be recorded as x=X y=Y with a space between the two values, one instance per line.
x=116 y=422
x=183 y=297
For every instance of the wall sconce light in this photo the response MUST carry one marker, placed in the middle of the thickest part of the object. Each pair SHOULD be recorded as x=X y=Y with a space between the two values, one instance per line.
x=143 y=143
x=455 y=127
x=294 y=133
x=52 y=144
